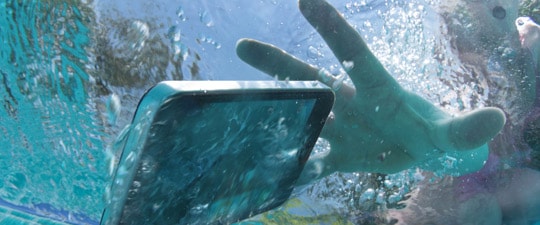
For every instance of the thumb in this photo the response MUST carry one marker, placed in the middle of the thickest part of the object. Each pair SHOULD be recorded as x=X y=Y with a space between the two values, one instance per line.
x=470 y=130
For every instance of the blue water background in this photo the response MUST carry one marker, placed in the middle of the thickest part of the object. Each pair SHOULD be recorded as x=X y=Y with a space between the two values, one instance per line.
x=73 y=71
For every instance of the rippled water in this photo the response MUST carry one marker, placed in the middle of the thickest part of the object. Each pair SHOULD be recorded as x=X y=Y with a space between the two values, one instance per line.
x=53 y=134
x=73 y=71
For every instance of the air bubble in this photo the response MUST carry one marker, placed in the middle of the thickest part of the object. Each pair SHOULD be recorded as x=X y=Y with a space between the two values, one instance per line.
x=181 y=14
x=156 y=206
x=174 y=34
x=314 y=53
x=367 y=195
x=198 y=209
x=348 y=65
x=209 y=40
x=206 y=19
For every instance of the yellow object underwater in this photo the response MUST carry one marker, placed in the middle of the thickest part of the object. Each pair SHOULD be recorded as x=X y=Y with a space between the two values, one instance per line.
x=299 y=210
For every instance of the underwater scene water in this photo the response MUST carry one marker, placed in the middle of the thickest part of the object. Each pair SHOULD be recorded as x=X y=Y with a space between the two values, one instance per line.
x=73 y=71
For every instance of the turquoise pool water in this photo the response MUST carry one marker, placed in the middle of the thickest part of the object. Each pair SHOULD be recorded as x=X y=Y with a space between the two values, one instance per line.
x=53 y=140
x=73 y=71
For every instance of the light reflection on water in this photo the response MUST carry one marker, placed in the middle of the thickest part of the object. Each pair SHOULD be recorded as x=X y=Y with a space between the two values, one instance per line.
x=68 y=67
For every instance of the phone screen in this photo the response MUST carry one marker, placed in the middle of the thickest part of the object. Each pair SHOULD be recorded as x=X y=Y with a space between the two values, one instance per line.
x=220 y=158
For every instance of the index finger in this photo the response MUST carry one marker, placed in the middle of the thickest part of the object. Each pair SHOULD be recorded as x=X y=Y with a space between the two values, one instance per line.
x=363 y=67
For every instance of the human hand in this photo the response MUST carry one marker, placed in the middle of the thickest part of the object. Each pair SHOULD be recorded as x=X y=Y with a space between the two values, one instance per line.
x=376 y=125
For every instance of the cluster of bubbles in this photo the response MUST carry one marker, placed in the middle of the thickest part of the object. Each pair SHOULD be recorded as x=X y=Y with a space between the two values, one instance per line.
x=187 y=45
x=360 y=197
x=52 y=132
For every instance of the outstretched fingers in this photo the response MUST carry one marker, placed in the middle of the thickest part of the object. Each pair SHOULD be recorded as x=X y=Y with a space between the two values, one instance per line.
x=276 y=62
x=363 y=67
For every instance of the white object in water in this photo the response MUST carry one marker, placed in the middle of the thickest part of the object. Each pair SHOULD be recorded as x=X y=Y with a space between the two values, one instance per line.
x=529 y=36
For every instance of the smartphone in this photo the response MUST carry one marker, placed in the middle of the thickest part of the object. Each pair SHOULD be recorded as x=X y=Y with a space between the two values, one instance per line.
x=215 y=152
